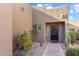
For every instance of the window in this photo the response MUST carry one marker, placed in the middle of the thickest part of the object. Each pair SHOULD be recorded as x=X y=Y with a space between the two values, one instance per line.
x=37 y=27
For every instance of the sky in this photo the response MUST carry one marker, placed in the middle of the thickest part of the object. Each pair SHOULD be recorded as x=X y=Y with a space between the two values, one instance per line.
x=73 y=9
x=47 y=4
x=73 y=12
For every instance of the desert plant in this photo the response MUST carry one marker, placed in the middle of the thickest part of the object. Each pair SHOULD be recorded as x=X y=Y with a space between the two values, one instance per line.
x=20 y=53
x=77 y=35
x=72 y=36
x=72 y=52
x=26 y=41
x=67 y=40
x=23 y=42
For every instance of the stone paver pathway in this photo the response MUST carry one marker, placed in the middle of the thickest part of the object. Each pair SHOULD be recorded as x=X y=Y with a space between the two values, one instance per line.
x=38 y=51
x=53 y=49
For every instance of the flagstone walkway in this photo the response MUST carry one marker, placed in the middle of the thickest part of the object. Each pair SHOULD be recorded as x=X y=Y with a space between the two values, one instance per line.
x=53 y=49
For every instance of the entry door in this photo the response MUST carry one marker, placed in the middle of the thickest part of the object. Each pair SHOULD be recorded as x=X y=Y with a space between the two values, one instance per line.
x=54 y=33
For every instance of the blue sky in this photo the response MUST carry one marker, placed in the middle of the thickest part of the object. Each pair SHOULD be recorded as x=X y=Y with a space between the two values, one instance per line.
x=73 y=12
x=48 y=4
x=73 y=9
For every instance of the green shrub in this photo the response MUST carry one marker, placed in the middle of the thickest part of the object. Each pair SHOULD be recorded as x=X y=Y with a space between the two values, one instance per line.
x=21 y=53
x=67 y=42
x=77 y=35
x=72 y=52
x=23 y=42
x=72 y=36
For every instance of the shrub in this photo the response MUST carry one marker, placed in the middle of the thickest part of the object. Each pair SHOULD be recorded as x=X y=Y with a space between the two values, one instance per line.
x=26 y=41
x=72 y=52
x=23 y=42
x=77 y=34
x=68 y=41
x=20 y=53
x=72 y=36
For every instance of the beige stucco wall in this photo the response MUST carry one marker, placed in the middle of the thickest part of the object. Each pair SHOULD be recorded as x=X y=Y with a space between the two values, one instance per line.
x=12 y=22
x=41 y=16
x=16 y=18
x=5 y=29
x=22 y=20
x=72 y=26
x=55 y=12
x=61 y=32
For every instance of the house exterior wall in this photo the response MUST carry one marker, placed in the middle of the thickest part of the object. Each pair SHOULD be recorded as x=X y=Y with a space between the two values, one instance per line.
x=5 y=29
x=73 y=25
x=14 y=19
x=61 y=32
x=41 y=16
x=56 y=12
x=48 y=36
x=22 y=20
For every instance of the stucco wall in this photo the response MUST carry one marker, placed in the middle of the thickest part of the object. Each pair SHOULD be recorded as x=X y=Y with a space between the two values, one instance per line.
x=61 y=32
x=72 y=26
x=58 y=11
x=55 y=12
x=22 y=20
x=41 y=17
x=5 y=29
x=14 y=18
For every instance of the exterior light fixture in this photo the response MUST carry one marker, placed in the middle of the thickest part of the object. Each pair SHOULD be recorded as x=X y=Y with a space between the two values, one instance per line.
x=63 y=16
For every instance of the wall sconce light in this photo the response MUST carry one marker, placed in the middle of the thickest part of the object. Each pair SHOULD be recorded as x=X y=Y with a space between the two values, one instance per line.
x=63 y=16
